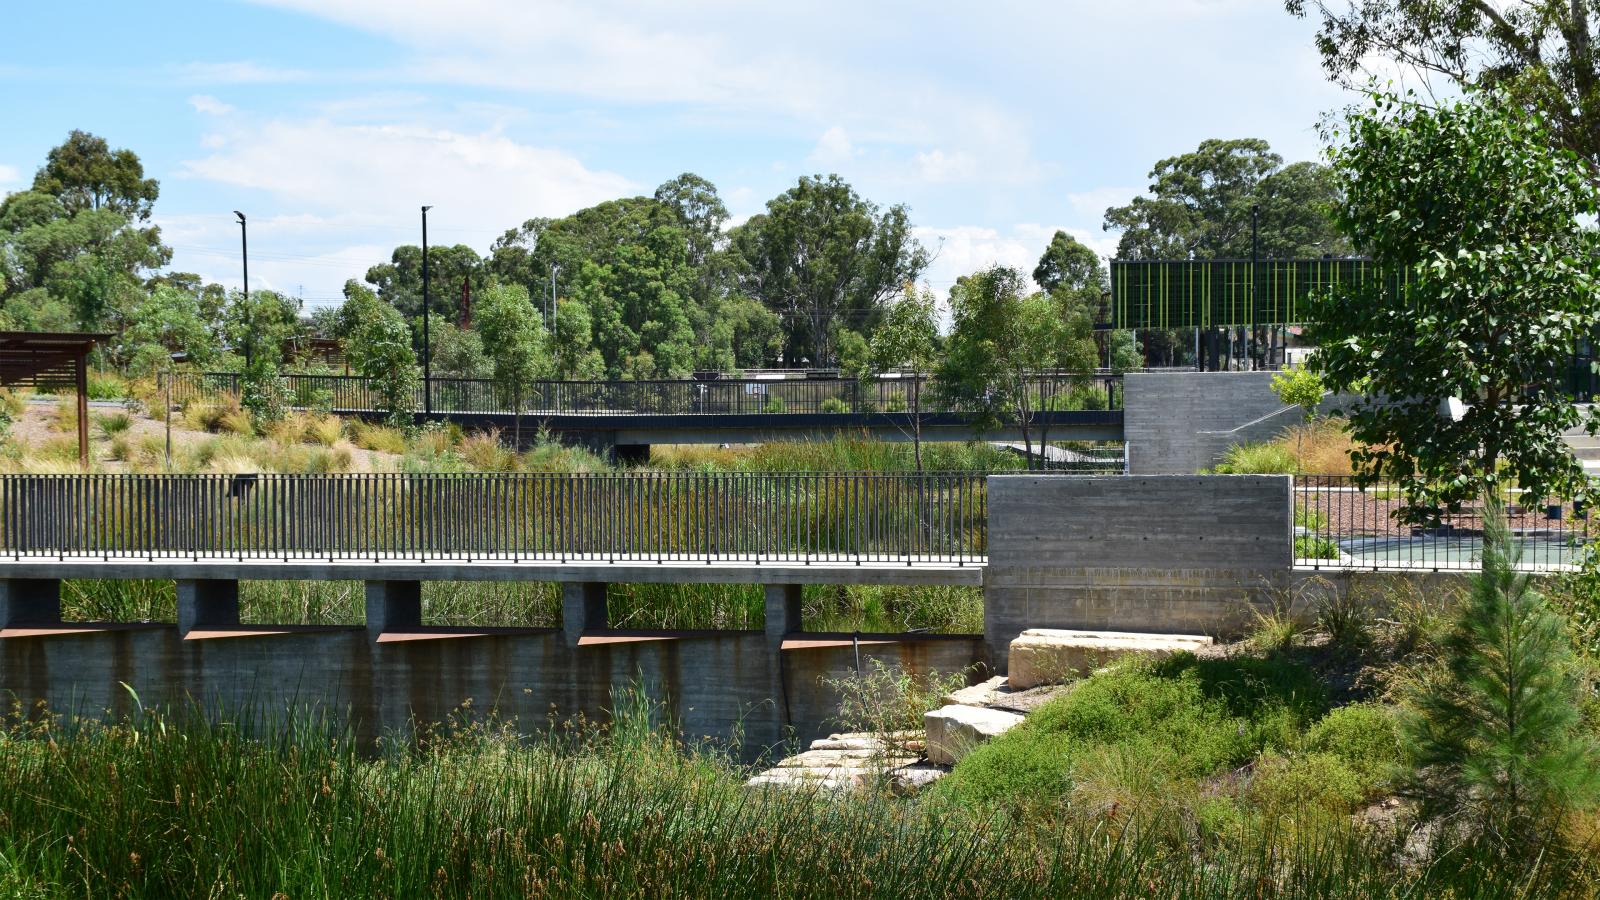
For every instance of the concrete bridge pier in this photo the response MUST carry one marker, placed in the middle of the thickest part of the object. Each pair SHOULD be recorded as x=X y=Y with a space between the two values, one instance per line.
x=583 y=609
x=29 y=601
x=393 y=606
x=783 y=613
x=206 y=603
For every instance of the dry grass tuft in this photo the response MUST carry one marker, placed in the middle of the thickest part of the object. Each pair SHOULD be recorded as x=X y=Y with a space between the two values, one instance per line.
x=484 y=453
x=1322 y=448
x=378 y=438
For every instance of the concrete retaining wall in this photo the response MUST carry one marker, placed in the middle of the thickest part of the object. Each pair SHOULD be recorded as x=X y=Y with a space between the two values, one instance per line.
x=1182 y=422
x=713 y=682
x=1173 y=554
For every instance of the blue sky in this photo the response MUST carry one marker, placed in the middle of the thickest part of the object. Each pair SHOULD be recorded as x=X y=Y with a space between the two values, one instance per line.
x=330 y=121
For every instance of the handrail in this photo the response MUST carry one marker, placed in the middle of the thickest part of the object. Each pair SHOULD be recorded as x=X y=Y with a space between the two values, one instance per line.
x=909 y=518
x=719 y=396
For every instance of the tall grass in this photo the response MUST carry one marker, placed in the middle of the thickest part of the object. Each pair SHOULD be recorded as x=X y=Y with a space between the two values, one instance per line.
x=841 y=454
x=535 y=604
x=210 y=804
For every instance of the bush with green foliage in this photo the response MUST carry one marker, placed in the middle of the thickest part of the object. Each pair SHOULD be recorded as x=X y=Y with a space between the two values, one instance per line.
x=1498 y=746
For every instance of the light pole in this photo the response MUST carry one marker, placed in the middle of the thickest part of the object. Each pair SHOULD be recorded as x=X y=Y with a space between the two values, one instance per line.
x=550 y=309
x=427 y=353
x=244 y=254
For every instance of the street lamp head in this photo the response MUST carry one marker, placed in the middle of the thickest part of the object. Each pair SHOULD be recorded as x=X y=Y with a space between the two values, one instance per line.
x=240 y=215
x=426 y=208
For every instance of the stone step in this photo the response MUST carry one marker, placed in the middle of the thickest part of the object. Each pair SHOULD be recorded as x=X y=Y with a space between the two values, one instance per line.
x=988 y=693
x=953 y=731
x=1052 y=655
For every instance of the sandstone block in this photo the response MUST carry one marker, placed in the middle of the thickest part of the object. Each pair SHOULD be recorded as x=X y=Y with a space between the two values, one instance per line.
x=954 y=730
x=1051 y=655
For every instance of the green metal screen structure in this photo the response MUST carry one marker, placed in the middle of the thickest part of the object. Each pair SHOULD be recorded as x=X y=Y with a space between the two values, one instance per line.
x=1224 y=292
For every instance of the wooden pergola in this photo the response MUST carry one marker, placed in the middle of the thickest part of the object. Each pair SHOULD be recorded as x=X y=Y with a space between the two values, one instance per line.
x=51 y=361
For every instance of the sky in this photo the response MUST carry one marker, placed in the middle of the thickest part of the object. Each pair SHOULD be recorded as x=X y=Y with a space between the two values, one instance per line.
x=330 y=122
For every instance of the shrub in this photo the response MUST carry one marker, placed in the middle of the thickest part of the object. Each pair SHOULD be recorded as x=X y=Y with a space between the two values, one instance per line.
x=1275 y=627
x=107 y=385
x=1345 y=619
x=774 y=405
x=887 y=701
x=832 y=405
x=1362 y=735
x=14 y=401
x=1284 y=786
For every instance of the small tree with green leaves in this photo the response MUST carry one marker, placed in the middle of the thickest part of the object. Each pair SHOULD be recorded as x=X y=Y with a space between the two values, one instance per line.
x=1479 y=233
x=1299 y=386
x=1498 y=746
x=258 y=327
x=908 y=336
x=379 y=346
x=1002 y=338
x=515 y=339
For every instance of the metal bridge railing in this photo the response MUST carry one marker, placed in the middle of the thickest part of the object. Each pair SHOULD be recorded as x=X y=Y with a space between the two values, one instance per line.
x=1340 y=526
x=721 y=396
x=937 y=517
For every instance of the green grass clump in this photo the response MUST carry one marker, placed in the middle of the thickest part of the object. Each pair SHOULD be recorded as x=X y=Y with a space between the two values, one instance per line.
x=1256 y=459
x=1311 y=547
x=1185 y=717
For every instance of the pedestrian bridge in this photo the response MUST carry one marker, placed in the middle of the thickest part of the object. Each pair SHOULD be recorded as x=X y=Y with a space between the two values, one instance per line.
x=633 y=415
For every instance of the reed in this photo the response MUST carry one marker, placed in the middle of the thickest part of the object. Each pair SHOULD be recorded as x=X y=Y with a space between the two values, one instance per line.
x=212 y=803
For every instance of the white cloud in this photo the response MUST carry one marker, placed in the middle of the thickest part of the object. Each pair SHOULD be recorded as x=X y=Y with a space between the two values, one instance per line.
x=484 y=180
x=753 y=67
x=242 y=72
x=939 y=166
x=832 y=148
x=9 y=175
x=357 y=188
x=207 y=105
x=965 y=249
x=1091 y=205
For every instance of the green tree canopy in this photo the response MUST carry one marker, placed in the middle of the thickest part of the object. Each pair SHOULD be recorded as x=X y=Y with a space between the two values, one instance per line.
x=515 y=340
x=399 y=281
x=259 y=326
x=821 y=257
x=908 y=337
x=378 y=344
x=1068 y=262
x=1199 y=206
x=1488 y=226
x=1000 y=338
x=1540 y=54
x=169 y=320
x=85 y=173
